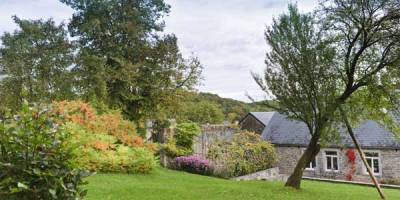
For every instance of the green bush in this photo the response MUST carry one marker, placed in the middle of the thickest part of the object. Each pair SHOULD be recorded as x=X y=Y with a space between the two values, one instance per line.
x=185 y=132
x=35 y=161
x=181 y=143
x=173 y=151
x=101 y=152
x=245 y=153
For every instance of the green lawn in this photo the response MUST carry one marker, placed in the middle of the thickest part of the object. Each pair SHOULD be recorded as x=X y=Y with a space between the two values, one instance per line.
x=168 y=184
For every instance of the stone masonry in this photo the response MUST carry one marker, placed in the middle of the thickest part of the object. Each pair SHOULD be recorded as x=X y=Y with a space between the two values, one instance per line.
x=389 y=164
x=271 y=174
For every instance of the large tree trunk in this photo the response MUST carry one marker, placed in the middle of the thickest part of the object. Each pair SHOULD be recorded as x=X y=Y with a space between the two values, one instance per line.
x=362 y=155
x=312 y=150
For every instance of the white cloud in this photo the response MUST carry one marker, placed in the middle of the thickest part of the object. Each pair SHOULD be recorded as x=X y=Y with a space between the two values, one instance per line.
x=31 y=9
x=227 y=35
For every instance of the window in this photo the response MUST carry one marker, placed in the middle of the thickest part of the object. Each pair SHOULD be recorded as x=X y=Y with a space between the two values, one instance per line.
x=373 y=161
x=312 y=165
x=331 y=158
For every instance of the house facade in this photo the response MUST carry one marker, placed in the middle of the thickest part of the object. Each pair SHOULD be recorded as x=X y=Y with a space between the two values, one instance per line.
x=337 y=160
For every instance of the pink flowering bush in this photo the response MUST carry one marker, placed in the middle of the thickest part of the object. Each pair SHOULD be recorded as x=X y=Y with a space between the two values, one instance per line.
x=193 y=164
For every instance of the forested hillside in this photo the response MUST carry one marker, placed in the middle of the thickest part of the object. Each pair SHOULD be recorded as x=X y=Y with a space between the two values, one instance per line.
x=205 y=107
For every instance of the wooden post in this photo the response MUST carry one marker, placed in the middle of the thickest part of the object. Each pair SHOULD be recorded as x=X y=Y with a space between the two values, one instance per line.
x=362 y=155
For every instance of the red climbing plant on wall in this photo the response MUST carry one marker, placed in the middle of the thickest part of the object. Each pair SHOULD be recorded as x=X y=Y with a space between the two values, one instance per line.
x=351 y=160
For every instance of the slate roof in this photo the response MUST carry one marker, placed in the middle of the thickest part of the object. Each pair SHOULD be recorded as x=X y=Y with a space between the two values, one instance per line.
x=263 y=117
x=280 y=130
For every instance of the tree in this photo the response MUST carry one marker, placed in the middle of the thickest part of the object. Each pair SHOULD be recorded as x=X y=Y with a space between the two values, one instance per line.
x=314 y=67
x=204 y=112
x=142 y=68
x=89 y=77
x=34 y=63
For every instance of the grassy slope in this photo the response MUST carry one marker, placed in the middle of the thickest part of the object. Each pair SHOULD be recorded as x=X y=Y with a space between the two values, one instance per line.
x=167 y=184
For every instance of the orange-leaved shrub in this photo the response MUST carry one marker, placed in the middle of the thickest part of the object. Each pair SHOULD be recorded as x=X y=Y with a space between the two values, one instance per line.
x=110 y=123
x=103 y=142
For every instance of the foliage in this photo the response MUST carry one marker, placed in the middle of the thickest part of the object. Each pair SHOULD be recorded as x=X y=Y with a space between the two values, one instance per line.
x=185 y=132
x=34 y=62
x=299 y=54
x=122 y=42
x=351 y=160
x=206 y=108
x=192 y=164
x=204 y=112
x=109 y=123
x=172 y=150
x=316 y=66
x=246 y=153
x=104 y=142
x=89 y=77
x=99 y=152
x=233 y=110
x=182 y=185
x=35 y=161
x=181 y=143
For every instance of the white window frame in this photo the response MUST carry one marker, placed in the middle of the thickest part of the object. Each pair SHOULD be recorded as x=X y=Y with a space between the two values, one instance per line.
x=309 y=166
x=325 y=160
x=365 y=171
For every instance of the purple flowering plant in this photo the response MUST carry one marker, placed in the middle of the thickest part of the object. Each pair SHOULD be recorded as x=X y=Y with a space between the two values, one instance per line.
x=193 y=164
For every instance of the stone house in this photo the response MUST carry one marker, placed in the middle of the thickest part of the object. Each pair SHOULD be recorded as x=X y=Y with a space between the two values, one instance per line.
x=337 y=160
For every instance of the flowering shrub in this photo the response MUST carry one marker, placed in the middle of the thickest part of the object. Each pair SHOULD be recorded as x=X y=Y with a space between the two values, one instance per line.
x=100 y=152
x=245 y=153
x=351 y=160
x=103 y=142
x=192 y=164
x=109 y=123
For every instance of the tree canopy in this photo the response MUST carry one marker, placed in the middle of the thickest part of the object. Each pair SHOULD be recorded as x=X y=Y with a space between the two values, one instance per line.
x=113 y=52
x=143 y=68
x=315 y=66
x=34 y=62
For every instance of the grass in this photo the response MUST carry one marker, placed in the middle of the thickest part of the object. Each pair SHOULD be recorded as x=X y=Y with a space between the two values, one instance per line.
x=166 y=184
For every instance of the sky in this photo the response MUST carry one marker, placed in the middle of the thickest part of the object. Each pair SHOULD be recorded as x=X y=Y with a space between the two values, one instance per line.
x=226 y=35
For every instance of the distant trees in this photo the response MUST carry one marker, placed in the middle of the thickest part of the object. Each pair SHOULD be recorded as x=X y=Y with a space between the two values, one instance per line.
x=349 y=58
x=203 y=108
x=204 y=112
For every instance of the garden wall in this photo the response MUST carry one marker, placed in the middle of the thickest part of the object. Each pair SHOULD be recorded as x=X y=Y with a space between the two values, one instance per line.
x=271 y=174
x=209 y=135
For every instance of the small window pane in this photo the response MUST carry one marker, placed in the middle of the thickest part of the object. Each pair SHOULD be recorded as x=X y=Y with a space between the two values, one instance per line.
x=328 y=163
x=335 y=164
x=376 y=166
x=333 y=153
x=313 y=164
x=369 y=161
x=372 y=154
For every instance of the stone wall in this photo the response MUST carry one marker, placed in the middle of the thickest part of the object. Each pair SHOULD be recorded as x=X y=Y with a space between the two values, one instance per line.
x=389 y=160
x=268 y=175
x=209 y=135
x=390 y=164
